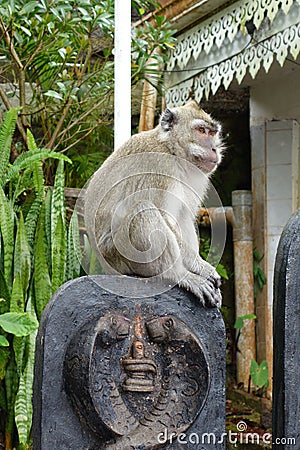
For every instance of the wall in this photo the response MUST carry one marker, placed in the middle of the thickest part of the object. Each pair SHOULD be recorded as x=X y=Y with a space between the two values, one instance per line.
x=274 y=125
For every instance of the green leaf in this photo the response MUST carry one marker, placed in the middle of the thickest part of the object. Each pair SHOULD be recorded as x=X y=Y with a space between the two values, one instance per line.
x=17 y=300
x=4 y=294
x=239 y=323
x=32 y=218
x=21 y=412
x=11 y=387
x=4 y=358
x=19 y=344
x=59 y=248
x=22 y=257
x=222 y=271
x=7 y=230
x=31 y=141
x=39 y=188
x=41 y=277
x=53 y=94
x=58 y=206
x=6 y=133
x=259 y=373
x=19 y=324
x=58 y=229
x=73 y=250
x=23 y=403
x=26 y=159
x=3 y=341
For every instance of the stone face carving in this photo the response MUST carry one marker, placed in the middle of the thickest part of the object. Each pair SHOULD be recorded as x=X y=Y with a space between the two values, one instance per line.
x=131 y=378
x=124 y=373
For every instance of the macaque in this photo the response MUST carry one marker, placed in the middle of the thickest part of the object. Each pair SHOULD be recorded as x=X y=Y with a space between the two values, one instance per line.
x=141 y=205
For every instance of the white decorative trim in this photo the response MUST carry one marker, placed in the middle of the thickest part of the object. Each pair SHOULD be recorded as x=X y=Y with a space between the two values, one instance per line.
x=214 y=31
x=272 y=42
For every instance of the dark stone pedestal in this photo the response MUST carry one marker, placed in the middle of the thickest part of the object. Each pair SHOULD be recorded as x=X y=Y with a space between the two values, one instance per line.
x=286 y=393
x=134 y=372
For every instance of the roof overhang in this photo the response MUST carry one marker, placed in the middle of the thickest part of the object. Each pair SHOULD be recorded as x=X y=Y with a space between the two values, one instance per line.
x=239 y=39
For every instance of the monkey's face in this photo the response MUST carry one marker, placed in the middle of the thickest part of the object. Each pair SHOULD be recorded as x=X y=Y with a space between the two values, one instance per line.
x=205 y=146
x=194 y=135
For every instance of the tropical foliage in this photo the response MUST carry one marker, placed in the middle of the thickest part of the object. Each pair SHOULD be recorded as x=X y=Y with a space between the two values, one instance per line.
x=38 y=252
x=57 y=64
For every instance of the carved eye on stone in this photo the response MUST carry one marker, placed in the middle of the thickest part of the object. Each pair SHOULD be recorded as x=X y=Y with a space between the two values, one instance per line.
x=114 y=321
x=168 y=323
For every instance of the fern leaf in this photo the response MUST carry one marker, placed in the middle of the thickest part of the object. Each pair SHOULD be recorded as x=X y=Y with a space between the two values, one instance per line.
x=59 y=248
x=7 y=219
x=26 y=159
x=38 y=179
x=31 y=141
x=6 y=133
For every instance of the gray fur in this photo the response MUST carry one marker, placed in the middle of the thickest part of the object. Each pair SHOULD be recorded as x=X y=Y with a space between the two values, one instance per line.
x=141 y=205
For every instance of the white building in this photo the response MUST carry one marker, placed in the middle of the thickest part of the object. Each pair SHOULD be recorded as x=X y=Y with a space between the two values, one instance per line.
x=255 y=44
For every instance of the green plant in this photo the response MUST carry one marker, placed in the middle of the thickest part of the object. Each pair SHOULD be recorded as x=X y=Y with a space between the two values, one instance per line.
x=38 y=252
x=60 y=56
x=259 y=374
x=212 y=255
x=258 y=274
x=239 y=323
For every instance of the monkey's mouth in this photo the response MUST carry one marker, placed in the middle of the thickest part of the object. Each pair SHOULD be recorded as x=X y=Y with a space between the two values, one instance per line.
x=206 y=164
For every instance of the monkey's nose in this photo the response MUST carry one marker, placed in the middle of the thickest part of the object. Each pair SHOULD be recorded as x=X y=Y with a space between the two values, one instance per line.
x=214 y=150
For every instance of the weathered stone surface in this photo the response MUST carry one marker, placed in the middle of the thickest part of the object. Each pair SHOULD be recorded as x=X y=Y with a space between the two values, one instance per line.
x=286 y=393
x=121 y=373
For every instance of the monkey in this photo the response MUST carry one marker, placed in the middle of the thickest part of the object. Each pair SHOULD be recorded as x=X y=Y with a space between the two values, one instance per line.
x=141 y=204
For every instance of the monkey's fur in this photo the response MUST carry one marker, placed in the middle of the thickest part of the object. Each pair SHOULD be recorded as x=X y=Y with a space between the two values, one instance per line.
x=141 y=205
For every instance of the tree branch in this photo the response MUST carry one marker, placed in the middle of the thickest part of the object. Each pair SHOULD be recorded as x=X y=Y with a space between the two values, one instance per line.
x=9 y=106
x=21 y=70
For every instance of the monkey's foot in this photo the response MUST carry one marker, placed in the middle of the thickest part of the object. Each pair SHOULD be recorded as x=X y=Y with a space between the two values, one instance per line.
x=211 y=291
x=206 y=290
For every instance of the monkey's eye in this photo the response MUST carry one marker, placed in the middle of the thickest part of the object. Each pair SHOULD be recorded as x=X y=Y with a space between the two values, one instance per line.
x=212 y=132
x=201 y=130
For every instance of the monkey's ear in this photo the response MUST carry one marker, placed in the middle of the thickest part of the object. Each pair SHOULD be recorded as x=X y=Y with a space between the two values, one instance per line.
x=168 y=119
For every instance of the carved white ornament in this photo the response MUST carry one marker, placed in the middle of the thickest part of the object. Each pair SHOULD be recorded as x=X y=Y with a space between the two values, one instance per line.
x=220 y=48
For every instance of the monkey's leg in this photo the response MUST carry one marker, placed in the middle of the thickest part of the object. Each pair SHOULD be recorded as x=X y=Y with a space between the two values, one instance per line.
x=148 y=247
